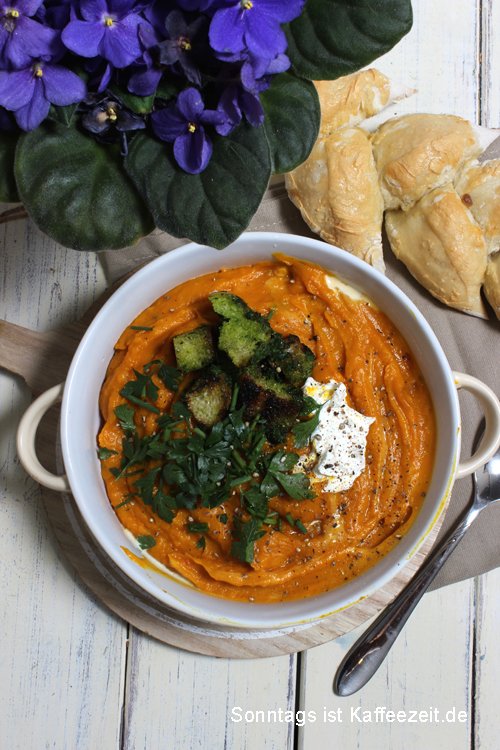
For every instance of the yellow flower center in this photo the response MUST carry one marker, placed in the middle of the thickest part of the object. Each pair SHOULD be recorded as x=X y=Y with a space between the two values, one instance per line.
x=108 y=21
x=184 y=44
x=12 y=13
x=246 y=4
x=192 y=127
x=111 y=113
x=37 y=71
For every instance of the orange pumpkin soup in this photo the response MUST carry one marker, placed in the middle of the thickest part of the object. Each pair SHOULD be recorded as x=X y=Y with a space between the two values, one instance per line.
x=310 y=545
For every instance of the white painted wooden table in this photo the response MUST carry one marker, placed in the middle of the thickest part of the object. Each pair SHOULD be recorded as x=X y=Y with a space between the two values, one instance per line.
x=75 y=677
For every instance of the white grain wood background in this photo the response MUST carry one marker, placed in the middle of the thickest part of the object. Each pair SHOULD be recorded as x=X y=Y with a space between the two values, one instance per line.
x=75 y=677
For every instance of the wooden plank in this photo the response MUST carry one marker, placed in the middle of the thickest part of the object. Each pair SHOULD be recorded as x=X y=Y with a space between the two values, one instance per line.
x=487 y=661
x=179 y=700
x=490 y=64
x=430 y=666
x=427 y=670
x=61 y=653
x=440 y=58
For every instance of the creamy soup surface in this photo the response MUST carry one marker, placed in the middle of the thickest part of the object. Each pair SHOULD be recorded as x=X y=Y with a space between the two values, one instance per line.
x=336 y=535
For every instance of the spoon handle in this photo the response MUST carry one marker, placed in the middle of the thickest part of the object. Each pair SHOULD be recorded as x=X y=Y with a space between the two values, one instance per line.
x=369 y=651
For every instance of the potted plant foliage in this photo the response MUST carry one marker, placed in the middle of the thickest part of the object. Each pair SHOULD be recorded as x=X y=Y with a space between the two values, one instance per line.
x=117 y=116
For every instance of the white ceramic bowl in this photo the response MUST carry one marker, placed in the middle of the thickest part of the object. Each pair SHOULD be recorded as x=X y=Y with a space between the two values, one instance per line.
x=80 y=423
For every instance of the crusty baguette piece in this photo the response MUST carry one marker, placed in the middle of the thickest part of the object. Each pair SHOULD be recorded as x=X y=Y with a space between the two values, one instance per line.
x=337 y=192
x=479 y=187
x=420 y=152
x=443 y=247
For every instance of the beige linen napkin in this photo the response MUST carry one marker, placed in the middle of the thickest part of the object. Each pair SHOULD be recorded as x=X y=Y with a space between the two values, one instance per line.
x=471 y=345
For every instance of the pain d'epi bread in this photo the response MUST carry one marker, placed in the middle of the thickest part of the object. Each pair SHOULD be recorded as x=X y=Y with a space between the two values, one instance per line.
x=337 y=192
x=443 y=247
x=336 y=188
x=442 y=206
x=418 y=153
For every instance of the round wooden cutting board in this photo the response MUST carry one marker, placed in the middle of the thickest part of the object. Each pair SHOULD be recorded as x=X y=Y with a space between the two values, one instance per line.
x=42 y=360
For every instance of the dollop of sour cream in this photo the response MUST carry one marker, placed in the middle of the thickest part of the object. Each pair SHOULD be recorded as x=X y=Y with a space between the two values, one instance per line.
x=338 y=444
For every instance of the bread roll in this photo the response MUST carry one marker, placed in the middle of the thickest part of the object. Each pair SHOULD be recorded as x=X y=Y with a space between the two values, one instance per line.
x=443 y=248
x=479 y=187
x=337 y=192
x=418 y=153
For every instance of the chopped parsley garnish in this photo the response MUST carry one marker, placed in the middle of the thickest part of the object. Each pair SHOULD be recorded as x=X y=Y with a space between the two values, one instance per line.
x=146 y=541
x=246 y=534
x=302 y=431
x=140 y=328
x=184 y=466
x=104 y=453
x=125 y=416
x=197 y=527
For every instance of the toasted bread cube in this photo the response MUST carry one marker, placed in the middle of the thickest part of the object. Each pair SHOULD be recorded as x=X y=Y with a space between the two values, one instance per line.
x=195 y=349
x=209 y=397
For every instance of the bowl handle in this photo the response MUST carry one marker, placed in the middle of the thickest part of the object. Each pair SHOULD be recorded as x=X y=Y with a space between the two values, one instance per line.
x=491 y=438
x=26 y=433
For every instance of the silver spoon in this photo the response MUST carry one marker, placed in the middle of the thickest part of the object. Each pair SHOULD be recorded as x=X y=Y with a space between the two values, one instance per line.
x=370 y=650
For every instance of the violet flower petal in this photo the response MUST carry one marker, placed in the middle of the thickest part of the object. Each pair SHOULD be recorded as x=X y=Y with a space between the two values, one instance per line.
x=122 y=7
x=35 y=111
x=16 y=88
x=120 y=43
x=26 y=7
x=145 y=83
x=175 y=25
x=190 y=104
x=62 y=86
x=227 y=30
x=252 y=108
x=192 y=151
x=93 y=10
x=29 y=40
x=168 y=124
x=83 y=38
x=282 y=11
x=212 y=117
x=263 y=35
x=105 y=79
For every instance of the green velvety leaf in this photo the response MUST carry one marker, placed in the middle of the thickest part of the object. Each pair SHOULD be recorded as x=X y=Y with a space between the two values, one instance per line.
x=63 y=115
x=213 y=207
x=335 y=37
x=77 y=190
x=141 y=105
x=292 y=118
x=8 y=189
x=167 y=88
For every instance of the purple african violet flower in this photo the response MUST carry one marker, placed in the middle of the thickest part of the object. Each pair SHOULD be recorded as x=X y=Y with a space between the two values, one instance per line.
x=147 y=73
x=253 y=24
x=108 y=114
x=23 y=39
x=30 y=92
x=182 y=124
x=255 y=69
x=178 y=47
x=109 y=29
x=236 y=102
